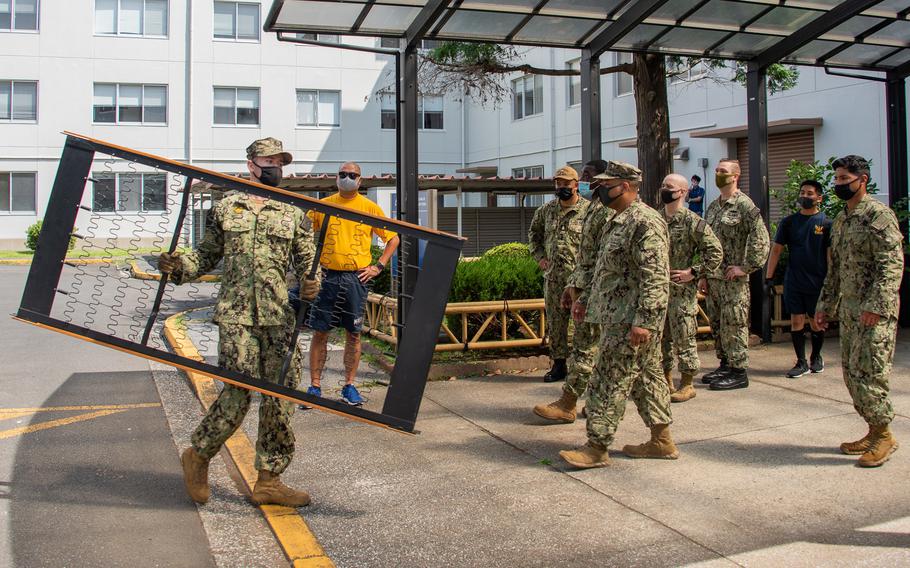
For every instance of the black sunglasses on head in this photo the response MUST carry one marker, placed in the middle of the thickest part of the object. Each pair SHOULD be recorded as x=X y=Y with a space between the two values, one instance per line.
x=352 y=175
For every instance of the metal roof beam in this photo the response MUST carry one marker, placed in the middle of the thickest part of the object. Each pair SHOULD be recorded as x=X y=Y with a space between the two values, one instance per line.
x=812 y=31
x=631 y=18
x=424 y=21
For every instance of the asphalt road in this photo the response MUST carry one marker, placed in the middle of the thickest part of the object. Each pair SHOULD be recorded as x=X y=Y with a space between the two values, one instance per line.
x=96 y=485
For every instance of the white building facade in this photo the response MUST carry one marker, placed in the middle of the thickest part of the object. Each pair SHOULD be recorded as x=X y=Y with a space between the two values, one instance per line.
x=198 y=80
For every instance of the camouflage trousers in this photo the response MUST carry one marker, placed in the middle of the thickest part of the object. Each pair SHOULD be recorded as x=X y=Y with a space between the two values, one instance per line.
x=582 y=357
x=728 y=308
x=625 y=372
x=867 y=353
x=257 y=351
x=557 y=319
x=679 y=333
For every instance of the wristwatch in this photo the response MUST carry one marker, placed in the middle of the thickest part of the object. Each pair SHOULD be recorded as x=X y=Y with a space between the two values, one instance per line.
x=380 y=265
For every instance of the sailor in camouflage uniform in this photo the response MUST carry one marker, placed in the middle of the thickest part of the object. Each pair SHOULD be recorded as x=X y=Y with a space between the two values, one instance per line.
x=739 y=226
x=628 y=296
x=862 y=288
x=583 y=352
x=258 y=239
x=694 y=251
x=553 y=239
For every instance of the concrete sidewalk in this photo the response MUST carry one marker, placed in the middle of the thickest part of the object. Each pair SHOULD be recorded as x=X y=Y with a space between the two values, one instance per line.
x=760 y=481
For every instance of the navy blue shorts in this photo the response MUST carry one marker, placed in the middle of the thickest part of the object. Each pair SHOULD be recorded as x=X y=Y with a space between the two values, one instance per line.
x=340 y=303
x=800 y=302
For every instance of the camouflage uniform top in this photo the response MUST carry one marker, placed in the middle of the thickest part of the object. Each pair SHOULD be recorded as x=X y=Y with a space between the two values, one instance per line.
x=690 y=235
x=632 y=276
x=555 y=234
x=257 y=249
x=867 y=261
x=738 y=225
x=586 y=257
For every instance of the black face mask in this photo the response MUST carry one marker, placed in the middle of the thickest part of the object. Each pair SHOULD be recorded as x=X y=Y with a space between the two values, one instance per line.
x=270 y=175
x=564 y=193
x=807 y=202
x=843 y=191
x=604 y=194
x=669 y=196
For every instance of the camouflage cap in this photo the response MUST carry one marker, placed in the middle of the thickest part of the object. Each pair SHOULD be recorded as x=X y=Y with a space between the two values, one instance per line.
x=620 y=170
x=566 y=172
x=268 y=147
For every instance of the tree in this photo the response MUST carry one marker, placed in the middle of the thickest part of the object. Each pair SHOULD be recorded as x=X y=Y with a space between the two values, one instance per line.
x=476 y=70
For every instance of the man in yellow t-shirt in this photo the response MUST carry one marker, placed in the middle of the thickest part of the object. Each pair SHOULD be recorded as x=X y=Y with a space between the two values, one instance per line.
x=347 y=266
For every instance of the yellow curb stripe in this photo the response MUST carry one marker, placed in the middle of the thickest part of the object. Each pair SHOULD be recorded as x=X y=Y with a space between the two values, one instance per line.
x=55 y=423
x=292 y=532
x=83 y=407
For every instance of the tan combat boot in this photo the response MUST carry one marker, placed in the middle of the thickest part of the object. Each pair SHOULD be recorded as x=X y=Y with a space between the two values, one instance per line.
x=668 y=375
x=660 y=446
x=590 y=455
x=881 y=445
x=562 y=410
x=686 y=390
x=195 y=475
x=858 y=447
x=270 y=491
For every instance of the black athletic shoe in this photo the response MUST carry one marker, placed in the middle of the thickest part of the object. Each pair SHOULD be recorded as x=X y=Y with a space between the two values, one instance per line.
x=798 y=370
x=734 y=379
x=716 y=373
x=817 y=365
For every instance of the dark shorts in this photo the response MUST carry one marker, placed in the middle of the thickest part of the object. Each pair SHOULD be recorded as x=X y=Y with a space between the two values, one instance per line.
x=800 y=302
x=340 y=302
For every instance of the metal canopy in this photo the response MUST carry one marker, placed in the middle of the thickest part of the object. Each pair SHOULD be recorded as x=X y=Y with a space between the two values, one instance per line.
x=860 y=34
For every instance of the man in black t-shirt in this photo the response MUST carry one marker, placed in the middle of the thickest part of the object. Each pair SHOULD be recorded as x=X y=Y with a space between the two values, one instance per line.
x=807 y=234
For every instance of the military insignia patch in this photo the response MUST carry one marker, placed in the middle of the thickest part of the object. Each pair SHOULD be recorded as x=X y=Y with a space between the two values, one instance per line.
x=819 y=230
x=240 y=210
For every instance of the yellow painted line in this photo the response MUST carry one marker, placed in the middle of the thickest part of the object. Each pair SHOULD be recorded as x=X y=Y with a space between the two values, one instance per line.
x=293 y=534
x=7 y=415
x=55 y=423
x=140 y=274
x=83 y=407
x=24 y=261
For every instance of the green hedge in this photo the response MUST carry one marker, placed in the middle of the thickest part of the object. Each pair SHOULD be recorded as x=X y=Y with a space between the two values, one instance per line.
x=509 y=249
x=496 y=277
x=31 y=236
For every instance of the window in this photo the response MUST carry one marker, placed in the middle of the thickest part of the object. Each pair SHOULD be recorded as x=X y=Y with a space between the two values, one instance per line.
x=318 y=108
x=538 y=199
x=326 y=38
x=235 y=106
x=574 y=83
x=129 y=192
x=425 y=44
x=18 y=15
x=623 y=80
x=685 y=72
x=527 y=96
x=237 y=21
x=136 y=104
x=131 y=17
x=18 y=100
x=17 y=192
x=429 y=112
x=528 y=172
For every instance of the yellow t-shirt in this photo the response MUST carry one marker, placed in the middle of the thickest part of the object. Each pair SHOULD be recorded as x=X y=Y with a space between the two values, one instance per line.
x=347 y=243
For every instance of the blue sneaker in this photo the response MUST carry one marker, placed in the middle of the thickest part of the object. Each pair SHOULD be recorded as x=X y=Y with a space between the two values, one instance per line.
x=315 y=391
x=350 y=395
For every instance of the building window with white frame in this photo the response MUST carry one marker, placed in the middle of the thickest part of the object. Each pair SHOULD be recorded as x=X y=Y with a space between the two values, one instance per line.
x=129 y=192
x=574 y=83
x=318 y=107
x=430 y=112
x=624 y=84
x=682 y=71
x=528 y=172
x=238 y=21
x=324 y=38
x=18 y=15
x=236 y=106
x=116 y=103
x=17 y=192
x=527 y=96
x=138 y=18
x=18 y=101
